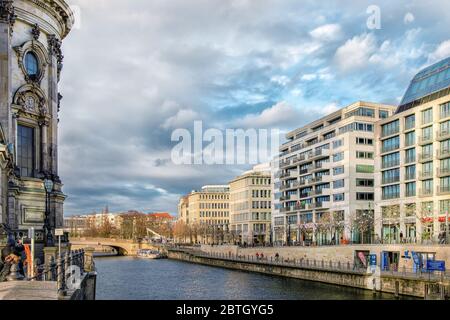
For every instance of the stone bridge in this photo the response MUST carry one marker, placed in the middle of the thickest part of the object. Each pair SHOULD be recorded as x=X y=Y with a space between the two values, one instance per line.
x=122 y=247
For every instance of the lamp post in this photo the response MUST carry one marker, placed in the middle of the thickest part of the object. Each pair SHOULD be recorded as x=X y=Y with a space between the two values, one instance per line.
x=48 y=184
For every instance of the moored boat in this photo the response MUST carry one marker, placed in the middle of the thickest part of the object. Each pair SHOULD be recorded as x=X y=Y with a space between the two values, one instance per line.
x=150 y=254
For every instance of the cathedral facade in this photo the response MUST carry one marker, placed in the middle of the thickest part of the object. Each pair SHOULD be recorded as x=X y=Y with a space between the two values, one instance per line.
x=31 y=61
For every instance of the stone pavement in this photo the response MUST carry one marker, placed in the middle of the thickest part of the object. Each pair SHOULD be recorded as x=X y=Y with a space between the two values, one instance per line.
x=28 y=290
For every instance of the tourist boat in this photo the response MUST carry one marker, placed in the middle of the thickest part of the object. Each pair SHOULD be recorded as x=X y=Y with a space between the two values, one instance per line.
x=150 y=254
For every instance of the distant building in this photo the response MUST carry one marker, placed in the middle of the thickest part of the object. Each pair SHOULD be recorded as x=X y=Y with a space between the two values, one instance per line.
x=327 y=176
x=250 y=206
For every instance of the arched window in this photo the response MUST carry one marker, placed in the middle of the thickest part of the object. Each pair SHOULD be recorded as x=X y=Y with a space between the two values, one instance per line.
x=31 y=64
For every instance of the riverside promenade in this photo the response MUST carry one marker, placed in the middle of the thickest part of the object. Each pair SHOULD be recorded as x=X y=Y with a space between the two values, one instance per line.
x=298 y=264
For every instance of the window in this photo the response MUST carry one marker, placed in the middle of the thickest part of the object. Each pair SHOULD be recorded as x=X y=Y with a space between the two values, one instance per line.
x=444 y=185
x=427 y=169
x=410 y=138
x=391 y=144
x=338 y=157
x=364 y=141
x=427 y=116
x=365 y=196
x=427 y=133
x=410 y=173
x=391 y=176
x=445 y=147
x=338 y=184
x=361 y=112
x=384 y=114
x=365 y=182
x=338 y=143
x=444 y=206
x=339 y=197
x=444 y=128
x=410 y=189
x=25 y=150
x=410 y=122
x=31 y=64
x=427 y=151
x=391 y=160
x=360 y=168
x=390 y=128
x=391 y=192
x=445 y=110
x=427 y=187
x=364 y=155
x=357 y=126
x=339 y=170
x=410 y=155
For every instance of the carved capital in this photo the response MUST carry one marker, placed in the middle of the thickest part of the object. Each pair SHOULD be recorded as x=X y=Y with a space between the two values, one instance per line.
x=54 y=49
x=7 y=14
x=36 y=32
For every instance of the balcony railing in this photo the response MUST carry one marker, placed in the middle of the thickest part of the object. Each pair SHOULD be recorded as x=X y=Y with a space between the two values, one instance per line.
x=443 y=135
x=390 y=164
x=444 y=153
x=424 y=157
x=426 y=192
x=410 y=160
x=425 y=175
x=443 y=190
x=425 y=139
x=390 y=148
x=442 y=172
x=391 y=180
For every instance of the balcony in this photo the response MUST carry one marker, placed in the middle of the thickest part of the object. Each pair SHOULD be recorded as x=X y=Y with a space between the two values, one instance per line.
x=426 y=193
x=443 y=190
x=426 y=175
x=292 y=197
x=444 y=153
x=292 y=185
x=290 y=174
x=425 y=157
x=391 y=180
x=443 y=172
x=390 y=164
x=425 y=140
x=411 y=176
x=390 y=148
x=315 y=193
x=443 y=135
x=285 y=163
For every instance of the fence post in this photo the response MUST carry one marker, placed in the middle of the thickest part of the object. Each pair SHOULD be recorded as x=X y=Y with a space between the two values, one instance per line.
x=60 y=273
x=14 y=274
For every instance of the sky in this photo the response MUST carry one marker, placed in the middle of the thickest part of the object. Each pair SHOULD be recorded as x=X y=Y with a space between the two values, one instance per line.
x=136 y=70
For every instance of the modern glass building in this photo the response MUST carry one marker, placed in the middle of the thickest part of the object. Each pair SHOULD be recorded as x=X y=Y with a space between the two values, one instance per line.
x=413 y=161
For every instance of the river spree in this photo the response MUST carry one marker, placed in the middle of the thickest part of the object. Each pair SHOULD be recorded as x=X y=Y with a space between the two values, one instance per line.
x=127 y=278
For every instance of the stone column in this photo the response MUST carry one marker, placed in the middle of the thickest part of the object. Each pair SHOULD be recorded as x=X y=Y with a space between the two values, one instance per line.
x=89 y=265
x=43 y=124
x=7 y=19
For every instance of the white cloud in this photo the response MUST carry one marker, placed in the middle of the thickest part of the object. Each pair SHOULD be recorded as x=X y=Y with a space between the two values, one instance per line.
x=442 y=51
x=181 y=119
x=329 y=108
x=280 y=115
x=281 y=80
x=355 y=53
x=409 y=18
x=328 y=32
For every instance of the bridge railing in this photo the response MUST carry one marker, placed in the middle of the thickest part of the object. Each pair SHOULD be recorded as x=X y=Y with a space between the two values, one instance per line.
x=65 y=268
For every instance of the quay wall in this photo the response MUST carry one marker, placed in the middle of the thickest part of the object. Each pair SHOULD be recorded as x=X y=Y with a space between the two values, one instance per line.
x=398 y=286
x=344 y=254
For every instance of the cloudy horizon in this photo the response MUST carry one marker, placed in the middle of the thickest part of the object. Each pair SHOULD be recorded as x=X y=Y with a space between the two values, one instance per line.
x=134 y=71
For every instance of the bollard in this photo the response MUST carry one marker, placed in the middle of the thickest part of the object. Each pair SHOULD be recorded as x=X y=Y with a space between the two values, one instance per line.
x=60 y=277
x=348 y=265
x=66 y=262
x=14 y=274
x=397 y=289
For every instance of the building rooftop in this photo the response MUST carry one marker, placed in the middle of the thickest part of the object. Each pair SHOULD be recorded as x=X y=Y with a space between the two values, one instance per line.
x=428 y=81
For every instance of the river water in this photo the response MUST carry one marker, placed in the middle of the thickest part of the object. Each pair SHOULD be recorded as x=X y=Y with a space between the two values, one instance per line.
x=128 y=278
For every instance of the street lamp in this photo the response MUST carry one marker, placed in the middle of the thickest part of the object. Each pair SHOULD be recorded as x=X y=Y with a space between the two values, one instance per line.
x=48 y=184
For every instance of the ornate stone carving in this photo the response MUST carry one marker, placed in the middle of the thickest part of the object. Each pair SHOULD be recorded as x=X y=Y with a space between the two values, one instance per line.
x=60 y=97
x=41 y=53
x=32 y=100
x=36 y=32
x=54 y=49
x=7 y=14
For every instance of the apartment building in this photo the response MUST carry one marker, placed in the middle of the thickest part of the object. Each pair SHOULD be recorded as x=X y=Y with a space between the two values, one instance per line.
x=413 y=161
x=207 y=212
x=250 y=206
x=327 y=177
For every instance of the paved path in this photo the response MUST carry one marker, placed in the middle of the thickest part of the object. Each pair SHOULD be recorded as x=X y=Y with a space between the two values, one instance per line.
x=28 y=290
